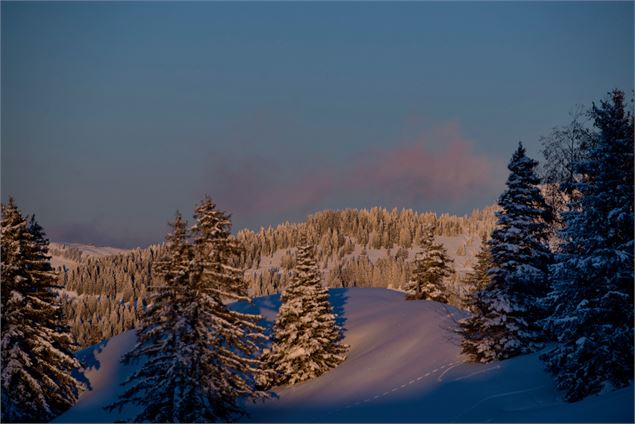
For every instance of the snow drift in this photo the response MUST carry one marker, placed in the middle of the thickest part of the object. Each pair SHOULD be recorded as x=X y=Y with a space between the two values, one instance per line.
x=404 y=365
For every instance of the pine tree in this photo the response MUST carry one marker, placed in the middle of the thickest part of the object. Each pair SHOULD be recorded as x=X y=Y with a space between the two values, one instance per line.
x=508 y=310
x=238 y=337
x=306 y=339
x=431 y=266
x=200 y=357
x=593 y=290
x=162 y=385
x=36 y=346
x=478 y=279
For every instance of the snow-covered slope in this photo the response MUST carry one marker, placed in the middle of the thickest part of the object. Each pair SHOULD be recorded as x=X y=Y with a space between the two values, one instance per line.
x=70 y=255
x=403 y=365
x=103 y=376
x=462 y=249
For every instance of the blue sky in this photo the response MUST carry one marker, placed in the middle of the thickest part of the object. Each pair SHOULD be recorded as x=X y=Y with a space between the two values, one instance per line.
x=115 y=114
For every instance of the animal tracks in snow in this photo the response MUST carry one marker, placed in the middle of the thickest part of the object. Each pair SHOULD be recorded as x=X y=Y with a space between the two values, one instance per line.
x=477 y=372
x=445 y=367
x=450 y=366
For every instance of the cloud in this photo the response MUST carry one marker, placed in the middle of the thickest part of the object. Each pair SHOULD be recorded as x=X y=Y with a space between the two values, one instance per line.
x=448 y=173
x=437 y=169
x=92 y=233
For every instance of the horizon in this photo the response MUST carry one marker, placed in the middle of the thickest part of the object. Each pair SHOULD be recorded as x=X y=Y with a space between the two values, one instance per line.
x=273 y=226
x=114 y=115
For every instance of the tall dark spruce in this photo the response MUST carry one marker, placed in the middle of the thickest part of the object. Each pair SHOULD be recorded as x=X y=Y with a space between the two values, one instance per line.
x=478 y=279
x=593 y=292
x=198 y=356
x=37 y=362
x=509 y=308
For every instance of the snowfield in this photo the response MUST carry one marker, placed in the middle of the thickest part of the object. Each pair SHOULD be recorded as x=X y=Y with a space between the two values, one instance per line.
x=403 y=365
x=87 y=250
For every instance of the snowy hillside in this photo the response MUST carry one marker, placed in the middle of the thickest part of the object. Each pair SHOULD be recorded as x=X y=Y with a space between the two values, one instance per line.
x=462 y=249
x=403 y=365
x=71 y=255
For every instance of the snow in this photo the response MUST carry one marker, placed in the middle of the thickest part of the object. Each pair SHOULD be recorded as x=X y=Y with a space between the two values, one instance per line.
x=97 y=251
x=103 y=375
x=461 y=263
x=472 y=245
x=88 y=250
x=403 y=365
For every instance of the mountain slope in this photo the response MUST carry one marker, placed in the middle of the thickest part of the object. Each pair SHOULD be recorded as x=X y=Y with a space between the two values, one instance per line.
x=403 y=365
x=72 y=255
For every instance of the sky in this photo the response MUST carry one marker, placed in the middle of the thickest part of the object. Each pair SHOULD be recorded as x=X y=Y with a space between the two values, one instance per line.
x=115 y=114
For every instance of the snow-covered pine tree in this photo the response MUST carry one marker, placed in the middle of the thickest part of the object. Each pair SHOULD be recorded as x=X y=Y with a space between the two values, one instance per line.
x=168 y=381
x=237 y=337
x=478 y=279
x=306 y=338
x=507 y=311
x=36 y=346
x=431 y=266
x=593 y=289
x=200 y=357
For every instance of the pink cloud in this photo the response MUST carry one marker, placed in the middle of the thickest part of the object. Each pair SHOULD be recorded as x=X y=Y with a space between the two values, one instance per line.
x=411 y=171
x=439 y=166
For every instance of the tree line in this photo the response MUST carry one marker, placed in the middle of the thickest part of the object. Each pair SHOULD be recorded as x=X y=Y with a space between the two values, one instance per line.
x=116 y=286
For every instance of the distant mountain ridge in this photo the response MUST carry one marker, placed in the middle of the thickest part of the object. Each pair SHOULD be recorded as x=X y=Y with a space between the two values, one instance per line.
x=71 y=255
